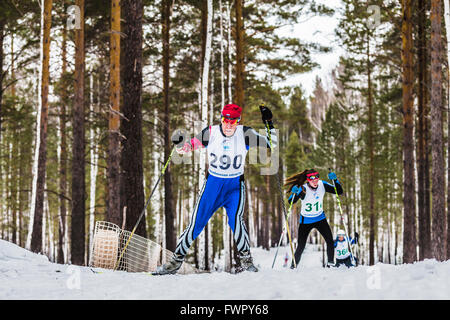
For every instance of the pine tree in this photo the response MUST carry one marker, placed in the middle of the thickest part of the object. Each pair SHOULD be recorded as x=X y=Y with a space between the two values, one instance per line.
x=132 y=188
x=423 y=177
x=78 y=149
x=240 y=47
x=437 y=190
x=409 y=201
x=113 y=170
x=166 y=12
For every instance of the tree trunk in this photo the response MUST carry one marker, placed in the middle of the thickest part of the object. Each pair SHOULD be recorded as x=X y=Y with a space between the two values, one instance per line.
x=371 y=162
x=266 y=215
x=132 y=181
x=167 y=6
x=14 y=153
x=229 y=73
x=78 y=145
x=114 y=213
x=438 y=182
x=447 y=27
x=2 y=36
x=37 y=207
x=240 y=47
x=409 y=201
x=206 y=27
x=259 y=238
x=422 y=140
x=15 y=180
x=63 y=153
x=2 y=74
x=222 y=72
x=93 y=163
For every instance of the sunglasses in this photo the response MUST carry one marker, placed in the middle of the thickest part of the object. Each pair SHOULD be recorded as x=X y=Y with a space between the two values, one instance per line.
x=231 y=121
x=313 y=177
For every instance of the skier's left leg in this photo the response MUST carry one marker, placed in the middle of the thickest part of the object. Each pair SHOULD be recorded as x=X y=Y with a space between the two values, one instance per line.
x=339 y=262
x=348 y=262
x=324 y=228
x=234 y=206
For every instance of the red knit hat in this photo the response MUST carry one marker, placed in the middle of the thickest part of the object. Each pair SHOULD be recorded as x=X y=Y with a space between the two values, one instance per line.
x=231 y=111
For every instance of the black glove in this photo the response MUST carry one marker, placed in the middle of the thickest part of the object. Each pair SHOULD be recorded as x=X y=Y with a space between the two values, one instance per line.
x=178 y=137
x=265 y=113
x=356 y=237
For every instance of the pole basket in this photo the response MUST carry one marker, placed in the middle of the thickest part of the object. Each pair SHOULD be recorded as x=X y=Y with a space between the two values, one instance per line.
x=141 y=254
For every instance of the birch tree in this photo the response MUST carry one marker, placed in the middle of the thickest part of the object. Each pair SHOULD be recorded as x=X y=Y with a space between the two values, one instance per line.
x=34 y=239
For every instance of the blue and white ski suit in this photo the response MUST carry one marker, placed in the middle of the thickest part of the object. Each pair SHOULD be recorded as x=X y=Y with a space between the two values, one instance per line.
x=224 y=185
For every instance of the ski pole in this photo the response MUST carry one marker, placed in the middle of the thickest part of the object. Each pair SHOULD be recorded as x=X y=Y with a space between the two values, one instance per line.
x=282 y=233
x=143 y=210
x=281 y=192
x=342 y=219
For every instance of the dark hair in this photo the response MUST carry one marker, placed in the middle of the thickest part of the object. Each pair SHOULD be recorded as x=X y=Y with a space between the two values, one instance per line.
x=297 y=179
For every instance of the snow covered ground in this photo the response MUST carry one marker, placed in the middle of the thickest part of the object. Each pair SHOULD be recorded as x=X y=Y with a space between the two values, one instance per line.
x=25 y=275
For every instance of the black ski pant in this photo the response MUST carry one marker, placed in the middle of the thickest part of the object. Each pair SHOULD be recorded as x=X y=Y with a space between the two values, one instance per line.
x=347 y=261
x=303 y=231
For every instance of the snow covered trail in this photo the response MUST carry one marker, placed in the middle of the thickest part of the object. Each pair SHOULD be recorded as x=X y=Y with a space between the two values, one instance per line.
x=25 y=275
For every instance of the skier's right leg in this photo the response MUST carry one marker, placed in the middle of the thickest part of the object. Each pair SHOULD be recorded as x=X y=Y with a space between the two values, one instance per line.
x=234 y=205
x=208 y=201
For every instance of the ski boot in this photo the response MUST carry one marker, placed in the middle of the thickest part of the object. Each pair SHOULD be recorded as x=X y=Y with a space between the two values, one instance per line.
x=170 y=267
x=247 y=261
x=331 y=264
